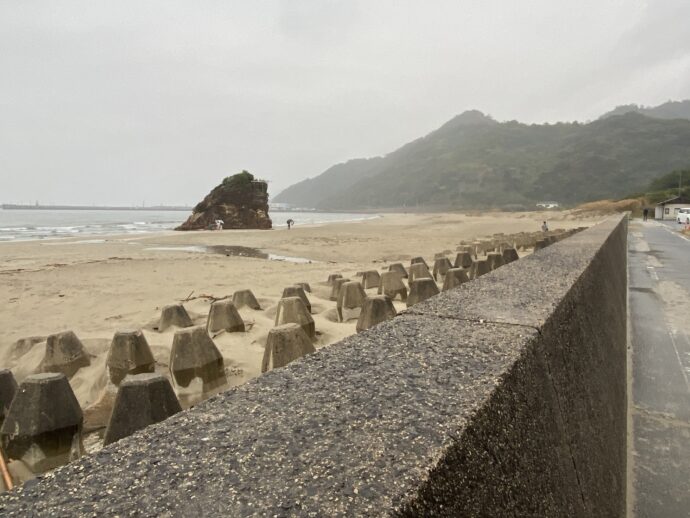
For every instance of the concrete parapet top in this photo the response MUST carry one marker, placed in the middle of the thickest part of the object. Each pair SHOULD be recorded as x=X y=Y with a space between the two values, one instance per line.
x=373 y=425
x=523 y=292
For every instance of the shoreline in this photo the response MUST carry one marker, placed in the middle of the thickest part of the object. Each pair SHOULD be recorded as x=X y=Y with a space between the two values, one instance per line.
x=120 y=234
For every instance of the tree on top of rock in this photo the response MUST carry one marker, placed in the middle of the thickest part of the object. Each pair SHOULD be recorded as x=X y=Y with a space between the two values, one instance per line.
x=238 y=180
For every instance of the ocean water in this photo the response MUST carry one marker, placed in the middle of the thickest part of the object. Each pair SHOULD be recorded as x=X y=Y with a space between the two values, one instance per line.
x=21 y=225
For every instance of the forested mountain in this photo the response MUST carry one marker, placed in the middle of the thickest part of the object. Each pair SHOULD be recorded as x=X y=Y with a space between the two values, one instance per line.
x=668 y=110
x=474 y=161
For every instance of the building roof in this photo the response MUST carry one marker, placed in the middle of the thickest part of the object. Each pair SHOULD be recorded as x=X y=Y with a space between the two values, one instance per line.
x=675 y=199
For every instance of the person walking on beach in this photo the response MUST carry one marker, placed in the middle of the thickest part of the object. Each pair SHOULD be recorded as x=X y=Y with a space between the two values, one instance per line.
x=219 y=224
x=645 y=213
x=290 y=223
x=544 y=227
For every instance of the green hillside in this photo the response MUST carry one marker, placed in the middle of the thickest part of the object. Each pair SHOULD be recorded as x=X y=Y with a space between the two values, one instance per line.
x=666 y=186
x=668 y=110
x=474 y=161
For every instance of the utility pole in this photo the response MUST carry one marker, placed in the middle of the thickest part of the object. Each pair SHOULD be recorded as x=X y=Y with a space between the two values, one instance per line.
x=680 y=183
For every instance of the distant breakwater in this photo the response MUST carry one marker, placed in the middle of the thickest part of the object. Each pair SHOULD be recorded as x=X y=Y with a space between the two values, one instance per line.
x=10 y=206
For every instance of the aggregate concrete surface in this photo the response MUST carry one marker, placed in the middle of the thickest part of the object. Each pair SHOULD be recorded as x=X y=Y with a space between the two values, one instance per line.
x=501 y=397
x=660 y=339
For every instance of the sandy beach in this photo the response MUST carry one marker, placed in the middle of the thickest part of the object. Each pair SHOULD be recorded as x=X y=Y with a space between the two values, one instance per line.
x=98 y=286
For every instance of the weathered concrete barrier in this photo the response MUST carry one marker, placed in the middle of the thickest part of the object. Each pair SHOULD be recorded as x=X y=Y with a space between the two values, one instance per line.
x=8 y=388
x=460 y=406
x=305 y=286
x=291 y=310
x=479 y=268
x=418 y=271
x=376 y=309
x=174 y=315
x=297 y=291
x=142 y=400
x=455 y=277
x=441 y=266
x=398 y=267
x=350 y=300
x=44 y=423
x=371 y=279
x=335 y=287
x=223 y=315
x=285 y=344
x=392 y=285
x=510 y=255
x=194 y=355
x=421 y=289
x=246 y=298
x=129 y=353
x=332 y=277
x=463 y=260
x=64 y=354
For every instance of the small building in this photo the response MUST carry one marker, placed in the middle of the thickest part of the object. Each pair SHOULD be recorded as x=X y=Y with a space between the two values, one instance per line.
x=668 y=209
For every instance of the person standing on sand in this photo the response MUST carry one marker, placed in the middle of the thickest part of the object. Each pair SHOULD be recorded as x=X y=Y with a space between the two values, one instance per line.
x=290 y=223
x=544 y=227
x=219 y=224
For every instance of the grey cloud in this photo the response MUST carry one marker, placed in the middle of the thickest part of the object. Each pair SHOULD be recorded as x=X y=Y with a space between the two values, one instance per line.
x=121 y=101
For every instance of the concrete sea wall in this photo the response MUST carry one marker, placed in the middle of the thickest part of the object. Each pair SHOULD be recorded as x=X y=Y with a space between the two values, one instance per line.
x=504 y=397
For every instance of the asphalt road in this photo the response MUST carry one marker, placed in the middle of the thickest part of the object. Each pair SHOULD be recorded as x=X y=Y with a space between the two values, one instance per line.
x=659 y=277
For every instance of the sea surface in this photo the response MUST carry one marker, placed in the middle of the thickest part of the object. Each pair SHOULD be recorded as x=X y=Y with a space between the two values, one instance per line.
x=22 y=225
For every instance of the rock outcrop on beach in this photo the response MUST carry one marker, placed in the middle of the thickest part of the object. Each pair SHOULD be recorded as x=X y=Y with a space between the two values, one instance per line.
x=239 y=201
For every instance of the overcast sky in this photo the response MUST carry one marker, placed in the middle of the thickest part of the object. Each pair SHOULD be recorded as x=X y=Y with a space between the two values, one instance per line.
x=129 y=101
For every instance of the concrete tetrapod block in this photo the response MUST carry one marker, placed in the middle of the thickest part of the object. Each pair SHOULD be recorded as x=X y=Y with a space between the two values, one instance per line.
x=305 y=286
x=285 y=343
x=129 y=353
x=335 y=289
x=243 y=298
x=371 y=279
x=8 y=388
x=291 y=310
x=375 y=310
x=23 y=346
x=495 y=260
x=44 y=423
x=441 y=266
x=421 y=289
x=332 y=277
x=398 y=267
x=194 y=355
x=418 y=271
x=392 y=285
x=463 y=260
x=417 y=260
x=479 y=268
x=223 y=315
x=142 y=400
x=174 y=315
x=454 y=278
x=470 y=249
x=350 y=300
x=65 y=354
x=297 y=291
x=510 y=255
